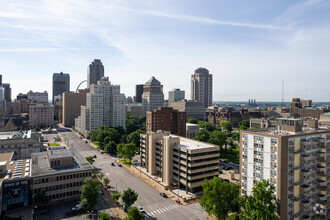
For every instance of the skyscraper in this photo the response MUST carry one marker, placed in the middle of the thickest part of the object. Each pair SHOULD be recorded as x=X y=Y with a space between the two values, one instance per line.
x=7 y=89
x=201 y=86
x=138 y=93
x=175 y=95
x=61 y=83
x=153 y=96
x=105 y=106
x=95 y=72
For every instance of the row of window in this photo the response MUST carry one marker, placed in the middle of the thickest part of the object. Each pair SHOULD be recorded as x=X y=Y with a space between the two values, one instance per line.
x=61 y=186
x=64 y=177
x=258 y=168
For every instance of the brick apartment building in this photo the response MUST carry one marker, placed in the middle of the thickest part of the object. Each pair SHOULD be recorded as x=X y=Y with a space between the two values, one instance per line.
x=167 y=119
x=303 y=108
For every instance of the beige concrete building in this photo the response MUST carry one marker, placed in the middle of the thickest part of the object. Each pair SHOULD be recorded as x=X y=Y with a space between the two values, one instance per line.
x=296 y=160
x=153 y=96
x=60 y=172
x=134 y=109
x=41 y=115
x=193 y=108
x=21 y=143
x=179 y=160
x=191 y=130
x=325 y=120
x=72 y=102
x=202 y=87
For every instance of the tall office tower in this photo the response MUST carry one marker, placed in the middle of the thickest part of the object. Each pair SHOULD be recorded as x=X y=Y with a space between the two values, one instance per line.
x=105 y=106
x=61 y=83
x=138 y=93
x=167 y=119
x=296 y=160
x=175 y=95
x=72 y=102
x=2 y=108
x=0 y=80
x=201 y=87
x=153 y=96
x=95 y=72
x=7 y=90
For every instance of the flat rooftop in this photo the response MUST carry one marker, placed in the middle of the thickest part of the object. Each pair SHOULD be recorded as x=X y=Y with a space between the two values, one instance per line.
x=41 y=166
x=15 y=135
x=191 y=144
x=14 y=168
x=56 y=153
x=276 y=132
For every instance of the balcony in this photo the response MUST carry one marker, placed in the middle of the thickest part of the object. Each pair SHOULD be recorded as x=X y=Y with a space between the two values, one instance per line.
x=321 y=168
x=321 y=182
x=322 y=197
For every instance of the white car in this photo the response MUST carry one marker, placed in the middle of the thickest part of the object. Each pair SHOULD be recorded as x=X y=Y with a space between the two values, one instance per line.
x=140 y=209
x=76 y=208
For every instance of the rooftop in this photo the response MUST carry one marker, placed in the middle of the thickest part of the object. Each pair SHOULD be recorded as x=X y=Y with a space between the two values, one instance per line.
x=41 y=166
x=153 y=81
x=191 y=144
x=15 y=135
x=14 y=168
x=276 y=132
x=55 y=153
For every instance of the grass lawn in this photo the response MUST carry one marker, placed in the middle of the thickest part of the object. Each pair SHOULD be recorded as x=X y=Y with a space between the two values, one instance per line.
x=53 y=144
x=126 y=162
x=96 y=143
x=230 y=155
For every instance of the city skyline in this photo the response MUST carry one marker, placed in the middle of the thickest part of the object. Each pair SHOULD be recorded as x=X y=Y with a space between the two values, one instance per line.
x=249 y=48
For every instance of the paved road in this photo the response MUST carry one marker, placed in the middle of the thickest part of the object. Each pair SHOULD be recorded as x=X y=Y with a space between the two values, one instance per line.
x=120 y=179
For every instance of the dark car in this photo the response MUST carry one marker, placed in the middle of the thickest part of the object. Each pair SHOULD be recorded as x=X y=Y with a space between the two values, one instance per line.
x=163 y=195
x=94 y=156
x=112 y=164
x=86 y=142
x=119 y=165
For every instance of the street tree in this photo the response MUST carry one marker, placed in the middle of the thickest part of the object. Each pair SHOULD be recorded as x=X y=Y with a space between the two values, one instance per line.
x=226 y=125
x=104 y=216
x=89 y=193
x=106 y=181
x=261 y=204
x=134 y=214
x=100 y=175
x=202 y=135
x=116 y=195
x=127 y=151
x=110 y=148
x=129 y=196
x=219 y=198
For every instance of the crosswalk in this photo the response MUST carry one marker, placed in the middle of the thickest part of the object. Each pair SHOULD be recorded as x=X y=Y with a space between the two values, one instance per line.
x=162 y=210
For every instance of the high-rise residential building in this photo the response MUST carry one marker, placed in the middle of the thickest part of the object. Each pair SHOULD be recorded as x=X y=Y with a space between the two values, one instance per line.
x=293 y=158
x=175 y=95
x=193 y=108
x=179 y=160
x=7 y=91
x=72 y=103
x=105 y=106
x=41 y=116
x=95 y=72
x=138 y=93
x=167 y=119
x=61 y=83
x=202 y=87
x=153 y=96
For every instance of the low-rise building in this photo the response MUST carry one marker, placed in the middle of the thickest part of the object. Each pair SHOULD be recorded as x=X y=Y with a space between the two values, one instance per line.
x=179 y=160
x=21 y=143
x=60 y=172
x=325 y=120
x=191 y=130
x=41 y=116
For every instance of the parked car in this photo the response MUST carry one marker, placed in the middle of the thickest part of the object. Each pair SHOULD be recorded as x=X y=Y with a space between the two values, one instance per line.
x=108 y=187
x=119 y=165
x=77 y=207
x=86 y=142
x=112 y=164
x=163 y=195
x=94 y=156
x=140 y=209
x=102 y=152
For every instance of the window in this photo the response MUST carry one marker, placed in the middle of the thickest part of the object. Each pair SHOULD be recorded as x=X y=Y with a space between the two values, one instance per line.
x=273 y=172
x=274 y=141
x=273 y=156
x=274 y=149
x=245 y=135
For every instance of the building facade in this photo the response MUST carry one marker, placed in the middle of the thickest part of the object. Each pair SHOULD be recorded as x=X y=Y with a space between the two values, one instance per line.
x=37 y=97
x=72 y=103
x=95 y=72
x=179 y=160
x=105 y=106
x=296 y=160
x=193 y=108
x=303 y=108
x=61 y=83
x=138 y=93
x=153 y=96
x=166 y=119
x=175 y=95
x=7 y=91
x=202 y=87
x=41 y=116
x=191 y=130
x=134 y=109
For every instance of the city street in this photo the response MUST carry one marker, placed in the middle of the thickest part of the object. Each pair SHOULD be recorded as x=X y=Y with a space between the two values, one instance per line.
x=155 y=205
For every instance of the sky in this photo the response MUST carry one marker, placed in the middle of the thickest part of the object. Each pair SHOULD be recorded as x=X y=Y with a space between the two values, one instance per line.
x=248 y=46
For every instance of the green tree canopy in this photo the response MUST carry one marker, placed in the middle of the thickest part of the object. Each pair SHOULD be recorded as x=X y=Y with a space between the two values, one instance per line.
x=192 y=120
x=116 y=195
x=226 y=125
x=261 y=203
x=134 y=137
x=218 y=138
x=127 y=151
x=90 y=160
x=245 y=123
x=106 y=181
x=129 y=196
x=89 y=193
x=203 y=135
x=104 y=216
x=111 y=148
x=100 y=175
x=134 y=214
x=207 y=126
x=219 y=197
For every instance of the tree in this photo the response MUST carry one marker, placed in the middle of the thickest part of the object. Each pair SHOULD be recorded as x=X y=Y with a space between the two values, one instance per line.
x=218 y=138
x=41 y=197
x=226 y=125
x=106 y=181
x=104 y=216
x=134 y=214
x=134 y=137
x=129 y=196
x=110 y=148
x=131 y=125
x=100 y=175
x=89 y=193
x=219 y=197
x=244 y=123
x=207 y=126
x=116 y=195
x=230 y=141
x=261 y=203
x=192 y=120
x=127 y=151
x=202 y=135
x=90 y=160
